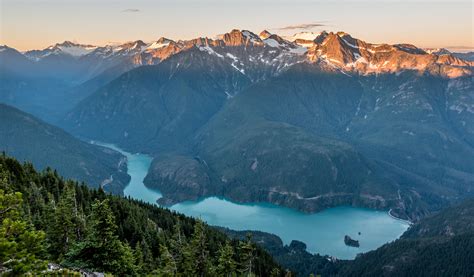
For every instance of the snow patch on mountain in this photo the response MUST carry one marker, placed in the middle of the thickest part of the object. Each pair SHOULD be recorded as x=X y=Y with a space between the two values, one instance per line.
x=162 y=42
x=210 y=51
x=77 y=50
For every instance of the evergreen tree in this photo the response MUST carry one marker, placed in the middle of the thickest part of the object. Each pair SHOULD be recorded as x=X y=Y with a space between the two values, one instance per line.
x=247 y=250
x=188 y=266
x=68 y=225
x=199 y=248
x=167 y=263
x=177 y=243
x=20 y=244
x=138 y=255
x=226 y=264
x=102 y=250
x=44 y=201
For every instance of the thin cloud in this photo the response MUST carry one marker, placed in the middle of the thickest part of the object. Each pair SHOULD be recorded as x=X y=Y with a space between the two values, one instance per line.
x=131 y=11
x=304 y=26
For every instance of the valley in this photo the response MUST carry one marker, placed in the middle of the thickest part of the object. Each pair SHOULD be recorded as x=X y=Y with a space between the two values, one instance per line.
x=322 y=232
x=256 y=121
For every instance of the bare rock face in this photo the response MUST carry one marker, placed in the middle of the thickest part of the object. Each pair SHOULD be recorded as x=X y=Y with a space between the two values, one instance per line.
x=341 y=51
x=264 y=34
x=234 y=38
x=239 y=38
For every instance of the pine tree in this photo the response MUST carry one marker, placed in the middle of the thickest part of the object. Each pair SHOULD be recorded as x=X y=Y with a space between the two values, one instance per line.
x=100 y=243
x=226 y=264
x=102 y=250
x=199 y=248
x=138 y=254
x=167 y=263
x=177 y=243
x=188 y=265
x=20 y=243
x=67 y=226
x=247 y=250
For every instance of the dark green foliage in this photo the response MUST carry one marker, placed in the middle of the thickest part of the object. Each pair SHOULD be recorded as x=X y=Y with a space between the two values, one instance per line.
x=247 y=257
x=167 y=263
x=67 y=225
x=226 y=266
x=416 y=257
x=95 y=231
x=102 y=250
x=21 y=246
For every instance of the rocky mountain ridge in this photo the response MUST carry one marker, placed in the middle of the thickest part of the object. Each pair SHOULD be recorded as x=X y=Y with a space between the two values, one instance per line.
x=339 y=51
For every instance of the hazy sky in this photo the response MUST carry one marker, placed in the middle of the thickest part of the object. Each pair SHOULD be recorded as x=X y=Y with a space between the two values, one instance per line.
x=34 y=24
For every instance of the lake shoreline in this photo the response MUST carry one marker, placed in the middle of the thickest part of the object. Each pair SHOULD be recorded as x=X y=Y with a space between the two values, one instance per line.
x=400 y=219
x=322 y=231
x=168 y=202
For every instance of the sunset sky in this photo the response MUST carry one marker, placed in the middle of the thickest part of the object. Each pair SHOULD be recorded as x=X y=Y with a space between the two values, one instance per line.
x=36 y=24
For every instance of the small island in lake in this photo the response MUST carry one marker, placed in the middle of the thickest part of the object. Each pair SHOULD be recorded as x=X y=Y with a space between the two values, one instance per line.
x=351 y=242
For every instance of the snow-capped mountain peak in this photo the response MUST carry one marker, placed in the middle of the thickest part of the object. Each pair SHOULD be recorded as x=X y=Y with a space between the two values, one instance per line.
x=160 y=43
x=75 y=49
x=65 y=48
x=247 y=52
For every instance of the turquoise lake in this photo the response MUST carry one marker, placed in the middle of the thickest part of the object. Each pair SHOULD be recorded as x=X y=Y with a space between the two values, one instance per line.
x=323 y=232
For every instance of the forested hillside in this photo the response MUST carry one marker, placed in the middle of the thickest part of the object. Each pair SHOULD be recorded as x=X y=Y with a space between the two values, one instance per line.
x=28 y=138
x=45 y=218
x=440 y=245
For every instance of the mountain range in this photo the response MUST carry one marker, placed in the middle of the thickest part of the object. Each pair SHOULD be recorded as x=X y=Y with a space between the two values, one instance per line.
x=309 y=121
x=68 y=72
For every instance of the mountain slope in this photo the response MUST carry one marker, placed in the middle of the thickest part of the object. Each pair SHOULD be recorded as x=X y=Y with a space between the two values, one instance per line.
x=277 y=142
x=310 y=139
x=171 y=101
x=29 y=139
x=439 y=245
